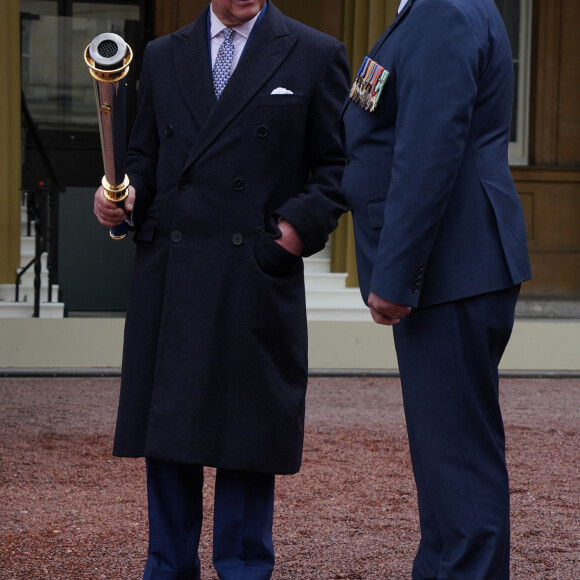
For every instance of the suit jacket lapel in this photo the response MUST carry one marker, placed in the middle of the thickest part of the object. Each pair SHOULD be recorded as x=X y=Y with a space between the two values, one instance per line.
x=380 y=43
x=268 y=47
x=390 y=29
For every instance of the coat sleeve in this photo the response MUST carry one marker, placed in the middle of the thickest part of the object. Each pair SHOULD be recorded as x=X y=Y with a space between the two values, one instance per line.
x=437 y=69
x=143 y=152
x=314 y=212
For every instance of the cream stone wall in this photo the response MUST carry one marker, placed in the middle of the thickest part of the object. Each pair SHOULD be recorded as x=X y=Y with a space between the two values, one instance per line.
x=537 y=345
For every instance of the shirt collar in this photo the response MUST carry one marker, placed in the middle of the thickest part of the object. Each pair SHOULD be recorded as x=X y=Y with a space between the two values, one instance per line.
x=243 y=29
x=402 y=5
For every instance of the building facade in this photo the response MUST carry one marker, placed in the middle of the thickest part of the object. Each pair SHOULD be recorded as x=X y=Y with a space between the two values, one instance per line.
x=50 y=134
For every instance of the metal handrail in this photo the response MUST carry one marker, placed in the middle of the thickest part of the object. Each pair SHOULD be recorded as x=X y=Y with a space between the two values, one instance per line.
x=34 y=207
x=42 y=208
x=18 y=278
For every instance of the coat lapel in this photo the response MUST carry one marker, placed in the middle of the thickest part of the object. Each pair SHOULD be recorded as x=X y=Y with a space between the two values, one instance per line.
x=192 y=63
x=265 y=52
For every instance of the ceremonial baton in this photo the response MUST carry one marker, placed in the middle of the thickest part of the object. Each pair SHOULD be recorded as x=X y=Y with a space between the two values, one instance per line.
x=108 y=57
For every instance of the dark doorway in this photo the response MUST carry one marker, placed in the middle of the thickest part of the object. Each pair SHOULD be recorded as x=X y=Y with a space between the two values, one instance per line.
x=62 y=147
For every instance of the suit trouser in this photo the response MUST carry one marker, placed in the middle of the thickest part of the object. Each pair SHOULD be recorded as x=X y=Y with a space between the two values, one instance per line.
x=243 y=518
x=448 y=360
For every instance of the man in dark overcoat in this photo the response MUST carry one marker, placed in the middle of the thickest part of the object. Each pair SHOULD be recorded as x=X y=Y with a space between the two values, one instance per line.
x=229 y=191
x=441 y=253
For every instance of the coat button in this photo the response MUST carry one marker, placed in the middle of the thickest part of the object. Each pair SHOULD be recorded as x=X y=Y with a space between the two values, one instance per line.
x=182 y=182
x=237 y=239
x=263 y=131
x=169 y=130
x=175 y=236
x=239 y=184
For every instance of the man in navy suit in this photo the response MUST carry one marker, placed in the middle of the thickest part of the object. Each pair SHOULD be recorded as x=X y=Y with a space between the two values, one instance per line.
x=441 y=253
x=235 y=176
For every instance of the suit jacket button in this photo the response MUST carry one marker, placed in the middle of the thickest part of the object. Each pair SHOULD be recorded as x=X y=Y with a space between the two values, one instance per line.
x=169 y=130
x=263 y=131
x=182 y=182
x=239 y=184
x=237 y=239
x=175 y=236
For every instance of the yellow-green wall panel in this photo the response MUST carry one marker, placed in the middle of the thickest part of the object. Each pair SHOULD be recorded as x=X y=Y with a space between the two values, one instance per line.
x=10 y=140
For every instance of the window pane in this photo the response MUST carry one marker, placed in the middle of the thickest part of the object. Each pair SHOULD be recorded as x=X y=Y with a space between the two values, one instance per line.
x=516 y=15
x=105 y=11
x=55 y=79
x=510 y=12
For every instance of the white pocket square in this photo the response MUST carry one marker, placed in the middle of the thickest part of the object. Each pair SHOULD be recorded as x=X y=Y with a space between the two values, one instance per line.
x=281 y=91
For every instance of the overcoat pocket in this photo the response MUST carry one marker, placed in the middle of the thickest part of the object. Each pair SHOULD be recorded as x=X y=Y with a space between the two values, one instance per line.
x=272 y=258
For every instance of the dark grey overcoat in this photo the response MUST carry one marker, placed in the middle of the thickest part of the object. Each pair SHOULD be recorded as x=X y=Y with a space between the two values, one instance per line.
x=215 y=356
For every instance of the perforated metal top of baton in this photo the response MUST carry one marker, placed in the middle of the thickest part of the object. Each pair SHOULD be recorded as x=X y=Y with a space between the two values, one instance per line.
x=108 y=48
x=108 y=51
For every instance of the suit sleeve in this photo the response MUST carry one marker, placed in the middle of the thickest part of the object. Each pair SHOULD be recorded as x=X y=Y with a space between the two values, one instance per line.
x=436 y=82
x=314 y=212
x=143 y=152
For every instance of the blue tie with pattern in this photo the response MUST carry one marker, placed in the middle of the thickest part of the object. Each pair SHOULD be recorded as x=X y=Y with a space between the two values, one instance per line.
x=223 y=62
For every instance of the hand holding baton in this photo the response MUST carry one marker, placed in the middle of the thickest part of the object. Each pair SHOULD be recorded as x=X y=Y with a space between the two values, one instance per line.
x=108 y=57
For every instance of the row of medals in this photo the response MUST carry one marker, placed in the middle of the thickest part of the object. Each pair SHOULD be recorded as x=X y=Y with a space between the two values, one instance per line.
x=368 y=84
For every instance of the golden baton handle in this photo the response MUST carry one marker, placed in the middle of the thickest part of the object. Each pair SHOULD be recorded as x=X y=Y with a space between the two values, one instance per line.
x=108 y=57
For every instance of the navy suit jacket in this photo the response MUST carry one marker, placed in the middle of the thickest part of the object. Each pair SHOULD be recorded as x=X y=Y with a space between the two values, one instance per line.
x=436 y=213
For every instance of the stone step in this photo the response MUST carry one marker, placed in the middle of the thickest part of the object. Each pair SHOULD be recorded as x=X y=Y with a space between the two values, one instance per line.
x=24 y=224
x=324 y=280
x=26 y=310
x=28 y=277
x=316 y=265
x=25 y=259
x=335 y=297
x=27 y=245
x=546 y=307
x=26 y=293
x=344 y=304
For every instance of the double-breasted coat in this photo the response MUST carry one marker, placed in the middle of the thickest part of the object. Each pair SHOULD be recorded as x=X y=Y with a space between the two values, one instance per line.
x=215 y=352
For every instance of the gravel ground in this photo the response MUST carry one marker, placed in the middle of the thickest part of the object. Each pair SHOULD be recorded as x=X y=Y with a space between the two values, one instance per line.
x=69 y=510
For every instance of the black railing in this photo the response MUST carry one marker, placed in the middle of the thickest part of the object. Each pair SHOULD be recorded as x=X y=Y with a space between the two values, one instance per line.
x=42 y=214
